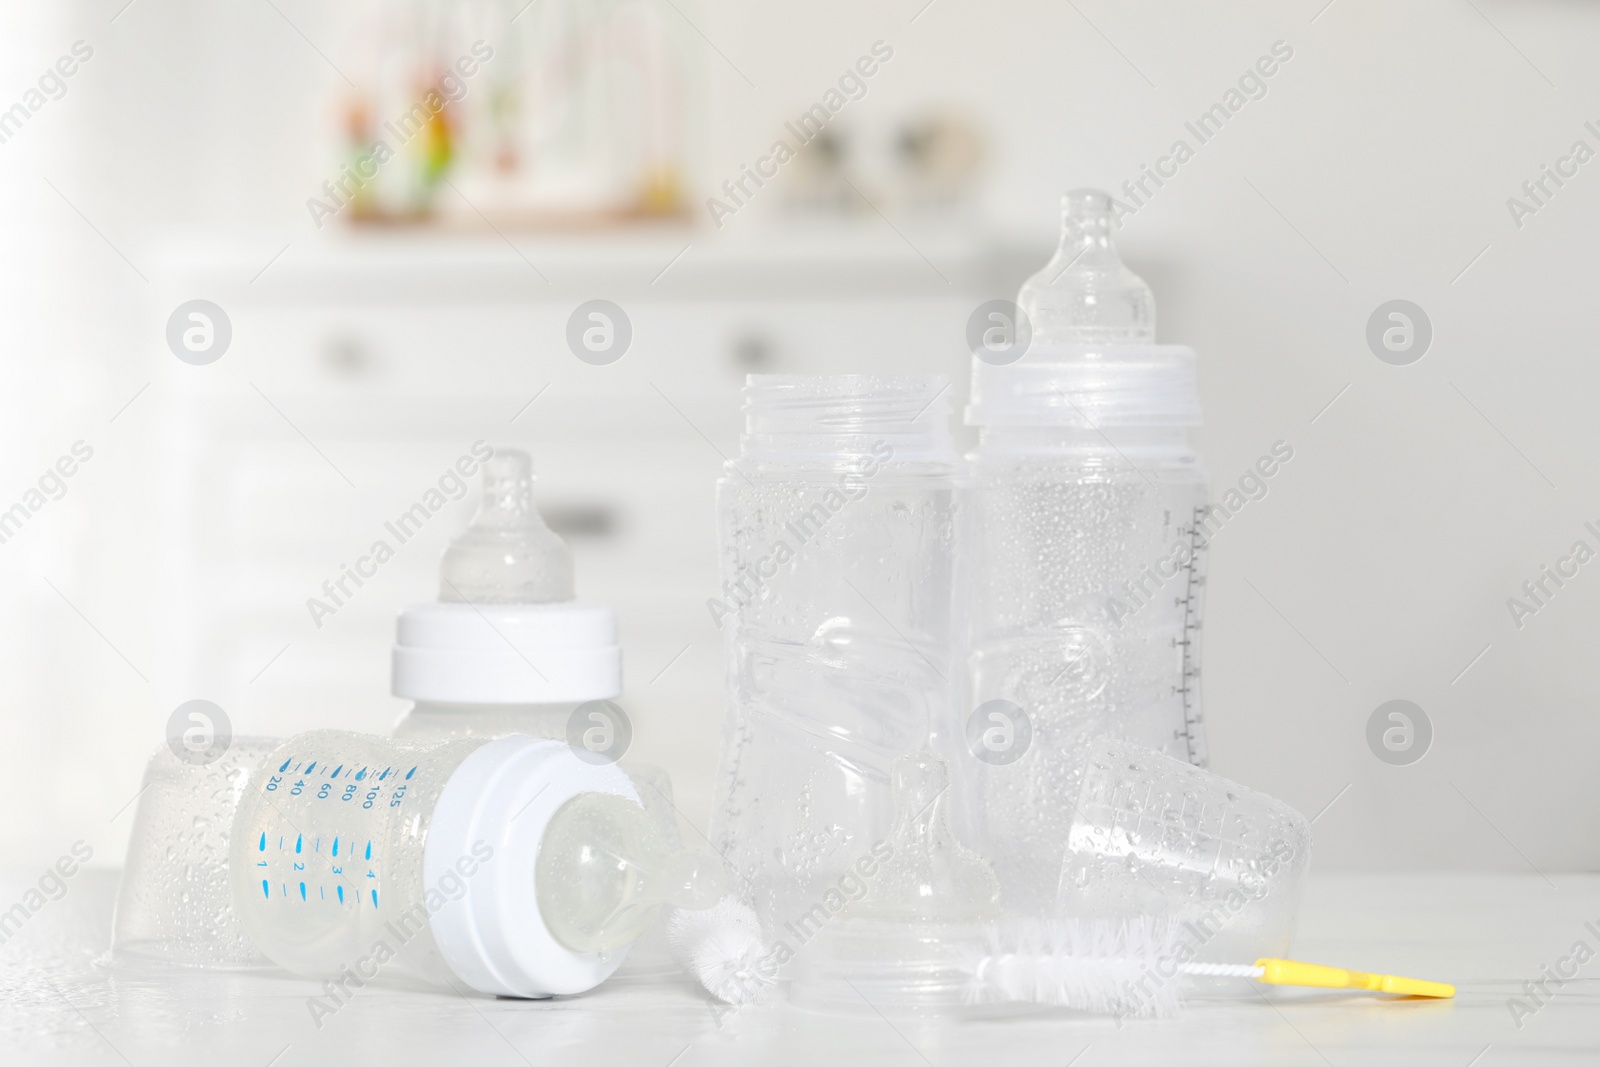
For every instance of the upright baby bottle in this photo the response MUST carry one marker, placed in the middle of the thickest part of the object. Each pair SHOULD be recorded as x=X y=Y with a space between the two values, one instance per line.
x=1088 y=548
x=839 y=539
x=513 y=866
x=506 y=649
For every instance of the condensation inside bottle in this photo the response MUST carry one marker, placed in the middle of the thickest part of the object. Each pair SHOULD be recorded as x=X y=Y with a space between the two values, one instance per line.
x=508 y=555
x=1085 y=295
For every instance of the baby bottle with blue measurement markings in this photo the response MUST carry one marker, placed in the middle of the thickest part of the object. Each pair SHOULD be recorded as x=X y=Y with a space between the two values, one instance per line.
x=1090 y=526
x=518 y=866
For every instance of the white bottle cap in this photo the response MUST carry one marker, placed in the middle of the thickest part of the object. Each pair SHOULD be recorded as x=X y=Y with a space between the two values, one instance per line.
x=493 y=935
x=507 y=653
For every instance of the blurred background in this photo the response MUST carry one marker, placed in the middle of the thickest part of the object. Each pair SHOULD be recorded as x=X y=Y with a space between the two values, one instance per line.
x=382 y=323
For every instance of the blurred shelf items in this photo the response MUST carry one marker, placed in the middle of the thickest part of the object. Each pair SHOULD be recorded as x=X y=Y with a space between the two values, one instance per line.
x=555 y=114
x=585 y=114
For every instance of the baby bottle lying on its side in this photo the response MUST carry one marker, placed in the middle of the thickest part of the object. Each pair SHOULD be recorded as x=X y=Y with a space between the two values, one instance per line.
x=511 y=866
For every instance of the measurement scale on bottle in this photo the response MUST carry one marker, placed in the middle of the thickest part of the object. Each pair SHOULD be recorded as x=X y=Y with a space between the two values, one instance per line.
x=1191 y=734
x=307 y=865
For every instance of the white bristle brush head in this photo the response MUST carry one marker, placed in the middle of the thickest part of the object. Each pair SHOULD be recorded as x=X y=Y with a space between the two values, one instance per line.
x=1105 y=967
x=721 y=947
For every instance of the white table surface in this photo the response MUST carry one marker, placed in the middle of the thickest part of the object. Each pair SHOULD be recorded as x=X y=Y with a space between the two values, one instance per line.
x=1486 y=933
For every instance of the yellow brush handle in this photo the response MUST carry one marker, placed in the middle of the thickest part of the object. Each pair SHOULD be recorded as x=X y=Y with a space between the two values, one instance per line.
x=1292 y=972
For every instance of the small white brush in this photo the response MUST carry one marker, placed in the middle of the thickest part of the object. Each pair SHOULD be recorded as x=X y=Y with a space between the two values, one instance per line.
x=721 y=947
x=1131 y=968
x=1088 y=966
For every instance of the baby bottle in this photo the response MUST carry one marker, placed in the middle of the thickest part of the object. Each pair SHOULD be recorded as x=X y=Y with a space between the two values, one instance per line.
x=512 y=866
x=507 y=649
x=839 y=542
x=1088 y=547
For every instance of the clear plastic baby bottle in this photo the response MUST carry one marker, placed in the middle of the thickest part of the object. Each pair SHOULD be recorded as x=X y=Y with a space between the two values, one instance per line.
x=1088 y=548
x=839 y=541
x=510 y=866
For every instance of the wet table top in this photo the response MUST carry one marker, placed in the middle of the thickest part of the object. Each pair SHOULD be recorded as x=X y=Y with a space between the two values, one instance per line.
x=1489 y=934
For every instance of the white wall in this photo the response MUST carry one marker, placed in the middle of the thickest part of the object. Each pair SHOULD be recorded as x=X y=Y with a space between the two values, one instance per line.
x=1377 y=166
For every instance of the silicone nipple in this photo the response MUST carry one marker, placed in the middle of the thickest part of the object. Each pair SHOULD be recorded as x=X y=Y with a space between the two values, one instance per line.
x=1084 y=295
x=931 y=877
x=604 y=872
x=507 y=555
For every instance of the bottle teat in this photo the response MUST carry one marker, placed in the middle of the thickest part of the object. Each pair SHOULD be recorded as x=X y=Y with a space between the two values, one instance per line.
x=604 y=873
x=1085 y=295
x=931 y=876
x=507 y=555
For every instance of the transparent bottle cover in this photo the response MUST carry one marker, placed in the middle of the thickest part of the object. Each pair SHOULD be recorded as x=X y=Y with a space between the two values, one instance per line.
x=174 y=907
x=507 y=555
x=895 y=948
x=1154 y=836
